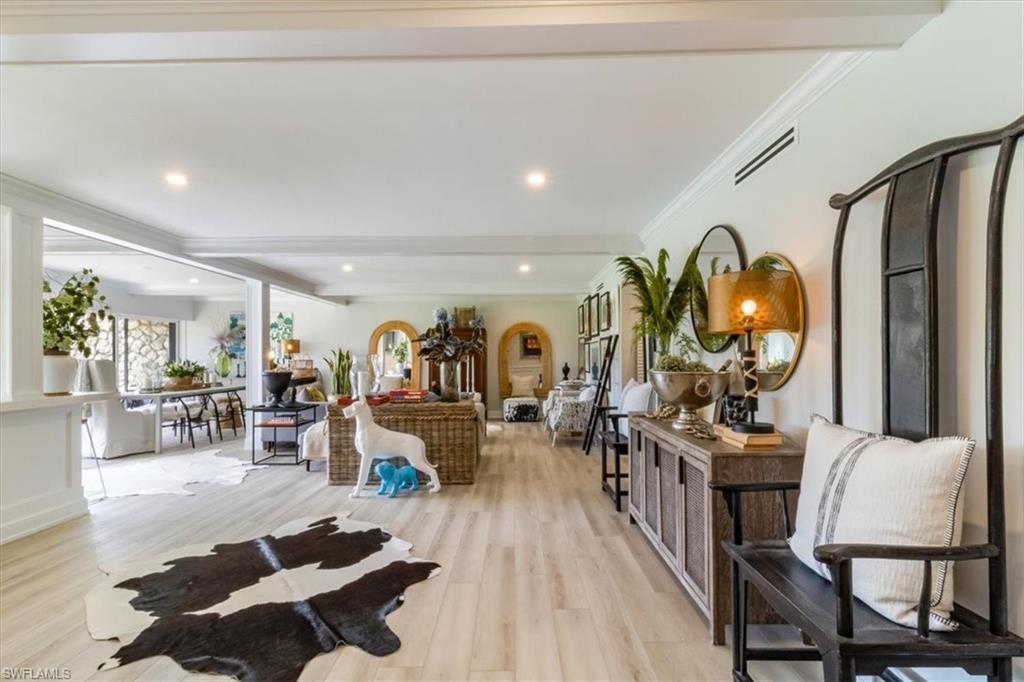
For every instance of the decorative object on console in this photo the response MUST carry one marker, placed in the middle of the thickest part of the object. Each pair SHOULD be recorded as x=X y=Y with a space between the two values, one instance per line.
x=565 y=372
x=275 y=383
x=442 y=346
x=748 y=441
x=71 y=317
x=720 y=251
x=266 y=634
x=373 y=441
x=748 y=301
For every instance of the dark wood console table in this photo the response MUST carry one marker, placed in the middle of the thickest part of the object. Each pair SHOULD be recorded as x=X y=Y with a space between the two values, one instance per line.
x=670 y=502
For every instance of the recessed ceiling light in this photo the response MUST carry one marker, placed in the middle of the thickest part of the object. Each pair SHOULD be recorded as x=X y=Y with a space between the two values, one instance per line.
x=525 y=267
x=536 y=179
x=193 y=280
x=347 y=267
x=176 y=179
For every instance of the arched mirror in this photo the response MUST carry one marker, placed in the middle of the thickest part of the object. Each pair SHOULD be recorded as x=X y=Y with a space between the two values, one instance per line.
x=719 y=251
x=524 y=360
x=394 y=355
x=778 y=352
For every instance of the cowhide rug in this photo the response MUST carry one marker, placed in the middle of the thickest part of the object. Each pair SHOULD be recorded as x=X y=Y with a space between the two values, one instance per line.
x=259 y=609
x=165 y=474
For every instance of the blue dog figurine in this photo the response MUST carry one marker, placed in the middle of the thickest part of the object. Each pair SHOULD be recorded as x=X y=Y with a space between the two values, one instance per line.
x=395 y=479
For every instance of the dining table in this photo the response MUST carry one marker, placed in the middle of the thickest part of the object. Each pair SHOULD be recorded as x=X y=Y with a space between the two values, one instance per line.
x=158 y=398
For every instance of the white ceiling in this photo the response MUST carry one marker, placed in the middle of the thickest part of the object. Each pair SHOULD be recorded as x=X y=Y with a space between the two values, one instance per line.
x=311 y=163
x=132 y=271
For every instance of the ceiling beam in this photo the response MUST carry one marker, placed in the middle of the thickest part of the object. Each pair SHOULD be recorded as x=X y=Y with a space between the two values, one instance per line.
x=139 y=31
x=90 y=221
x=319 y=246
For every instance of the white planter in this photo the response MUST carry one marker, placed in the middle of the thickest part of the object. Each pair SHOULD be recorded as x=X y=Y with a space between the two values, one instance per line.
x=58 y=374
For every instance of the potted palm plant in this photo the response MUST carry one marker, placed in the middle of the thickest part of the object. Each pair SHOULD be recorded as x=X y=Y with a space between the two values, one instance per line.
x=680 y=379
x=71 y=317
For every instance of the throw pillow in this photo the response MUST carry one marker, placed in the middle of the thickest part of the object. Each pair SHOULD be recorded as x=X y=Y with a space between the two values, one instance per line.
x=860 y=487
x=315 y=394
x=522 y=385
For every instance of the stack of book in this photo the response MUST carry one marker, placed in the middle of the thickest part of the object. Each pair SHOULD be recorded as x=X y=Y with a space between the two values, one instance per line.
x=280 y=421
x=748 y=441
x=408 y=395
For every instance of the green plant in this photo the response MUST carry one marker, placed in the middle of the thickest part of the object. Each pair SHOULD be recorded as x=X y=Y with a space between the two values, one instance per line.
x=661 y=304
x=183 y=369
x=677 y=363
x=72 y=316
x=777 y=366
x=340 y=366
x=401 y=351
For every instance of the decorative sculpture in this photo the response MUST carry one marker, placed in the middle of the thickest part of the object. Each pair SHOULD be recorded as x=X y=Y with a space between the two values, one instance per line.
x=375 y=442
x=395 y=479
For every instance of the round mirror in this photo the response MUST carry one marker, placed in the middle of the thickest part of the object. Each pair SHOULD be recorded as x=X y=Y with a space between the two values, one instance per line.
x=720 y=251
x=394 y=355
x=778 y=352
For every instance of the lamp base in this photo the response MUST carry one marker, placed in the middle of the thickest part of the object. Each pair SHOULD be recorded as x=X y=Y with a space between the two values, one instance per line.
x=753 y=427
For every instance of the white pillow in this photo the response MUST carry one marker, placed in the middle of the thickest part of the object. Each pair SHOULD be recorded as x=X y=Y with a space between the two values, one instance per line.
x=866 y=488
x=522 y=385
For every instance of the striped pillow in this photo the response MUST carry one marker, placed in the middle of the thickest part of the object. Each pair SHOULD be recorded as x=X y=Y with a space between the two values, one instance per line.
x=861 y=487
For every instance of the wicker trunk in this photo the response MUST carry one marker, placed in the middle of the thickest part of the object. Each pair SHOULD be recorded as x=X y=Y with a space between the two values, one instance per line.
x=450 y=431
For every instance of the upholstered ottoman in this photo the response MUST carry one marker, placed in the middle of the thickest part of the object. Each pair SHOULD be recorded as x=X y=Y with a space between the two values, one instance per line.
x=521 y=409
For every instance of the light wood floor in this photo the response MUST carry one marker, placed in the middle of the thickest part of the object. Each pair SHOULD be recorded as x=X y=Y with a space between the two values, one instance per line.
x=541 y=579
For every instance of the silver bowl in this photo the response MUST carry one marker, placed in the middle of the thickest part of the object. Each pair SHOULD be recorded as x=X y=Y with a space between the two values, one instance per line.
x=689 y=391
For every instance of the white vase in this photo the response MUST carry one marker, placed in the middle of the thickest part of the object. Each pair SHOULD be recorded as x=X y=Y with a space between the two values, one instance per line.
x=58 y=373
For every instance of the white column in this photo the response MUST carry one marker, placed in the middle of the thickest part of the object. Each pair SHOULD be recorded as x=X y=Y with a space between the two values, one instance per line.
x=257 y=341
x=21 y=311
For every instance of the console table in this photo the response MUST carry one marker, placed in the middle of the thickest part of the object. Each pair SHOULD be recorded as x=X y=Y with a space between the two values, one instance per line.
x=685 y=524
x=451 y=432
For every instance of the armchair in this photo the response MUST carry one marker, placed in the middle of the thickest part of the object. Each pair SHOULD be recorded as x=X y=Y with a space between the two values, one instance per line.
x=569 y=413
x=115 y=431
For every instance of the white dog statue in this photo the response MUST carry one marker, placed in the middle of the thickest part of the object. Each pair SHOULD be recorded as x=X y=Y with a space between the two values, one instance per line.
x=376 y=442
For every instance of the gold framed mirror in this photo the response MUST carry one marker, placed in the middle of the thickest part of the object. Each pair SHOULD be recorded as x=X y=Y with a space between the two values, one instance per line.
x=779 y=352
x=394 y=342
x=525 y=351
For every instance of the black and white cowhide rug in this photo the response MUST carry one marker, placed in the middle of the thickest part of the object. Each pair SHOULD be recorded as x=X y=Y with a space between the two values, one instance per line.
x=259 y=609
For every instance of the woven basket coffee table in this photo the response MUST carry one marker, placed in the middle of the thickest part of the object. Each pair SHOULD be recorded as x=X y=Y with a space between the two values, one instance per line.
x=450 y=431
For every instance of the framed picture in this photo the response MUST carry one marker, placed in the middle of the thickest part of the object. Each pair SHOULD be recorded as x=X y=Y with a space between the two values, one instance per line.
x=605 y=311
x=531 y=345
x=592 y=321
x=581 y=358
x=580 y=320
x=603 y=347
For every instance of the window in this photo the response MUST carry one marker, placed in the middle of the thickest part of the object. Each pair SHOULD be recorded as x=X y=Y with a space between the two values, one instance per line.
x=144 y=347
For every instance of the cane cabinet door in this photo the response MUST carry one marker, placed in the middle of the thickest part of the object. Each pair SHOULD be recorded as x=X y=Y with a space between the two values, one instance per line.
x=668 y=490
x=652 y=453
x=693 y=511
x=636 y=471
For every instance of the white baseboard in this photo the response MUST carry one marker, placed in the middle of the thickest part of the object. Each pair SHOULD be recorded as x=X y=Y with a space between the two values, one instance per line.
x=36 y=514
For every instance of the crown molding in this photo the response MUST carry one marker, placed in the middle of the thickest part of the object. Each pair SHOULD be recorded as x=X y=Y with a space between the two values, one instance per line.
x=91 y=221
x=818 y=80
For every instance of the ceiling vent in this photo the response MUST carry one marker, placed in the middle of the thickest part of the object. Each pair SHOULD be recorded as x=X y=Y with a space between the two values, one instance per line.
x=764 y=155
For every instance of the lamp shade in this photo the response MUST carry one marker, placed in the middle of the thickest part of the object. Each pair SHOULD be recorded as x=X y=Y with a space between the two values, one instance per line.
x=753 y=300
x=292 y=346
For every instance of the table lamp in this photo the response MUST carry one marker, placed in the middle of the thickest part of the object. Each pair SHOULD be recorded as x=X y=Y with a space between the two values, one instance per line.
x=292 y=346
x=748 y=301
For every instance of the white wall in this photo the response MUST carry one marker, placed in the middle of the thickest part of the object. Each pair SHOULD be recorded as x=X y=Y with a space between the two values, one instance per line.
x=962 y=73
x=322 y=327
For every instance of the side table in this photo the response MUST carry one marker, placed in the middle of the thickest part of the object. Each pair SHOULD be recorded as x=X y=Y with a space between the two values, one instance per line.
x=280 y=417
